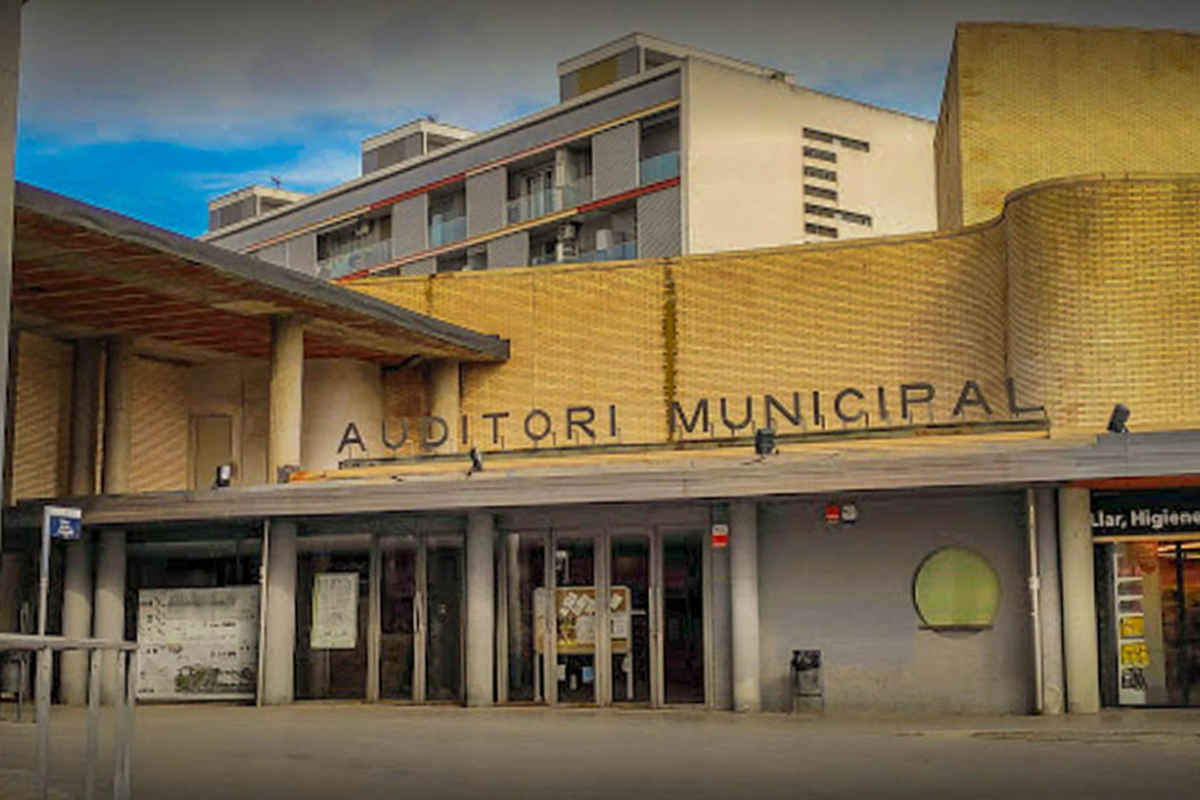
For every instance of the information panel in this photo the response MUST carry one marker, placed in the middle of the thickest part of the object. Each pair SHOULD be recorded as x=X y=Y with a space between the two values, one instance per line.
x=198 y=644
x=335 y=611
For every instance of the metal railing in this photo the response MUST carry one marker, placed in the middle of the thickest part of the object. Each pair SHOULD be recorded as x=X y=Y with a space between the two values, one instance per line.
x=124 y=700
x=618 y=252
x=539 y=204
x=444 y=230
x=660 y=167
x=363 y=258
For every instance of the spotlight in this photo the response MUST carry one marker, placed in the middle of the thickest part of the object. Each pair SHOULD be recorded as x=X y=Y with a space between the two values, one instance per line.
x=224 y=476
x=476 y=461
x=1120 y=415
x=764 y=442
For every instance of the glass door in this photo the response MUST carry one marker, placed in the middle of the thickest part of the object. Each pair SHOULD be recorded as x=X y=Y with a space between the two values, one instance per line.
x=522 y=592
x=681 y=609
x=1153 y=639
x=332 y=618
x=398 y=618
x=574 y=606
x=444 y=618
x=629 y=618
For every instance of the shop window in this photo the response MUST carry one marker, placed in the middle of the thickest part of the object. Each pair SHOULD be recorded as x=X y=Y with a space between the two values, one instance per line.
x=956 y=589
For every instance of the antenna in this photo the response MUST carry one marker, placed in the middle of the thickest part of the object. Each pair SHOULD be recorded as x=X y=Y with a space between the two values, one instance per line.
x=277 y=181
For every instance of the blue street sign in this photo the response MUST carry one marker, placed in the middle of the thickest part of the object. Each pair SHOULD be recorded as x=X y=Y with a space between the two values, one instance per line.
x=63 y=523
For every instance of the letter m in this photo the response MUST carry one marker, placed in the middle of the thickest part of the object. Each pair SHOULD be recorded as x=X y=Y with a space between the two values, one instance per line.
x=700 y=415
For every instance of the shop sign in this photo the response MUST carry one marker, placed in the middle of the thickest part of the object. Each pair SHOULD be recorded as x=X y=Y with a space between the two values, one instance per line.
x=1149 y=514
x=706 y=417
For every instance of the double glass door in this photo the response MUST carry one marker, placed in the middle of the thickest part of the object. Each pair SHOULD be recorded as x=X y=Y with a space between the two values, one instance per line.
x=421 y=619
x=613 y=617
x=1152 y=637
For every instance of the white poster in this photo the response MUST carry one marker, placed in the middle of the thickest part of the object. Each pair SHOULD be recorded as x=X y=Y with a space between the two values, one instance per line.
x=335 y=611
x=198 y=644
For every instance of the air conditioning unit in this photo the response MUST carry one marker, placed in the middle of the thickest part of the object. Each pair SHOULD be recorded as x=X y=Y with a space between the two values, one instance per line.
x=568 y=231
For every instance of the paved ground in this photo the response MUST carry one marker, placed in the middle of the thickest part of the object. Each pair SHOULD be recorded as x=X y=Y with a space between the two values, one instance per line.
x=365 y=752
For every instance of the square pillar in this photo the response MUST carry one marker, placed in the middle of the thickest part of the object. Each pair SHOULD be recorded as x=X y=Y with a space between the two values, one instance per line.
x=110 y=606
x=279 y=637
x=743 y=580
x=1076 y=562
x=481 y=573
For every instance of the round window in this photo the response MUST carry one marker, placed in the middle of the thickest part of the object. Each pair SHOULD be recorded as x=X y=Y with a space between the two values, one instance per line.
x=956 y=588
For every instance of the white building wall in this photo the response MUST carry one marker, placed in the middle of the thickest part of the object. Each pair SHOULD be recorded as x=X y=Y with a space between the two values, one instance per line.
x=743 y=163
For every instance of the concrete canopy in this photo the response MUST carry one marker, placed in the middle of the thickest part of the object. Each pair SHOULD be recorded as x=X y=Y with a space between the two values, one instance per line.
x=82 y=271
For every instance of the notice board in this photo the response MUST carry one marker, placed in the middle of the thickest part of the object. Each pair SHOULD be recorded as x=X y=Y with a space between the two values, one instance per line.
x=198 y=644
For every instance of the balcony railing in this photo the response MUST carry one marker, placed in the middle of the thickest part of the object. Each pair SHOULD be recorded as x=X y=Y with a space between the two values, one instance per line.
x=363 y=258
x=539 y=204
x=660 y=167
x=618 y=252
x=444 y=230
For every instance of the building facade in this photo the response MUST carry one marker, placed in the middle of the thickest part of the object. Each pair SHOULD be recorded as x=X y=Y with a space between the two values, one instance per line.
x=654 y=150
x=652 y=482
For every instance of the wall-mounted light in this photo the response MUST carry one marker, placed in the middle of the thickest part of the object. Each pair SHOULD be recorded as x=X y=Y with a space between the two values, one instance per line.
x=1116 y=422
x=764 y=442
x=224 y=476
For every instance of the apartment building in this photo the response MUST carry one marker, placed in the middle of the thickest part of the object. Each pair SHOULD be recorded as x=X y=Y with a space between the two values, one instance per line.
x=654 y=149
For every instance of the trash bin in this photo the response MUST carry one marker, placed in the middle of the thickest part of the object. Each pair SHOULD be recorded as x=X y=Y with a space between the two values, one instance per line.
x=808 y=685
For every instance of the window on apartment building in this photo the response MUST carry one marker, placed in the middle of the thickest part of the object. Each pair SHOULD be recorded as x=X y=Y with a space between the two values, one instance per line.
x=820 y=155
x=818 y=172
x=819 y=211
x=821 y=192
x=848 y=142
x=659 y=148
x=360 y=245
x=820 y=230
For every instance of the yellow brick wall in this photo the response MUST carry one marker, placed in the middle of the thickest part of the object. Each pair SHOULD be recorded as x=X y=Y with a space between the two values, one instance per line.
x=41 y=424
x=947 y=151
x=1105 y=308
x=160 y=443
x=1041 y=101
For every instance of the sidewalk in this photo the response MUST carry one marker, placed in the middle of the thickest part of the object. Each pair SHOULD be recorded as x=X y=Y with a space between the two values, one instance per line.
x=351 y=750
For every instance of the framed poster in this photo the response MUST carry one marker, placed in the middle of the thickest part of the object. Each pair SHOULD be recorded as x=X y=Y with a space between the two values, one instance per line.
x=335 y=611
x=575 y=615
x=198 y=644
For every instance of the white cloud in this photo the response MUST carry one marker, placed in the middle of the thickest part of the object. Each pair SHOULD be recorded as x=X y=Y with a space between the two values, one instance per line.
x=310 y=171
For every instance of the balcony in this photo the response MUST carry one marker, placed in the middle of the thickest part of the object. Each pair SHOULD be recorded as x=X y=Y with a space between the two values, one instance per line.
x=532 y=206
x=618 y=252
x=444 y=230
x=357 y=260
x=660 y=167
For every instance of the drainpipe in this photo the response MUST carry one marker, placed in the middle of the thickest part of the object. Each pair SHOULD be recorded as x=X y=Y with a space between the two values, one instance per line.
x=1035 y=585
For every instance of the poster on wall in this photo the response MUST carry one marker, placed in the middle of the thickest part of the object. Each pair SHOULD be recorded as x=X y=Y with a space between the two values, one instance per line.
x=575 y=609
x=198 y=644
x=335 y=611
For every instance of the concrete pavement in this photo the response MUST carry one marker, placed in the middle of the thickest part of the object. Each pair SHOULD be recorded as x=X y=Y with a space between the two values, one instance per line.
x=383 y=751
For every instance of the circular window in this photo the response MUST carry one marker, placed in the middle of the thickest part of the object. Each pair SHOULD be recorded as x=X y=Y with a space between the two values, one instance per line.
x=955 y=588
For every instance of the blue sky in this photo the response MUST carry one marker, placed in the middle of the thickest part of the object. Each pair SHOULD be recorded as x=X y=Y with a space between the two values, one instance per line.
x=151 y=107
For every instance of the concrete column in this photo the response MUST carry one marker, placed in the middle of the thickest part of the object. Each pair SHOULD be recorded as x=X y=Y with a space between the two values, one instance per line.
x=76 y=621
x=10 y=60
x=1075 y=550
x=1050 y=603
x=481 y=529
x=110 y=605
x=279 y=684
x=516 y=664
x=722 y=644
x=743 y=569
x=85 y=413
x=287 y=395
x=445 y=402
x=118 y=415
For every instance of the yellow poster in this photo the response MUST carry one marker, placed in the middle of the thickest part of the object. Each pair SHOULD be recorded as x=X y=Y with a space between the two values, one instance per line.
x=575 y=618
x=1133 y=627
x=1135 y=654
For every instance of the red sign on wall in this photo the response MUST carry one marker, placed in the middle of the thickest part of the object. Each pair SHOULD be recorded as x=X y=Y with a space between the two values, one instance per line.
x=720 y=535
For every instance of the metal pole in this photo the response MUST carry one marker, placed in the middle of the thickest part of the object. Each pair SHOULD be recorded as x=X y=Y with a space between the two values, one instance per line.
x=44 y=657
x=93 y=724
x=44 y=577
x=1035 y=585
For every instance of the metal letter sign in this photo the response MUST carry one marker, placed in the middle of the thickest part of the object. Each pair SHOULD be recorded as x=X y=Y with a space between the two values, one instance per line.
x=63 y=523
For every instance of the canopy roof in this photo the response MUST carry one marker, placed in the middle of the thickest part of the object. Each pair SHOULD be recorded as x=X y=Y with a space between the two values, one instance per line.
x=82 y=271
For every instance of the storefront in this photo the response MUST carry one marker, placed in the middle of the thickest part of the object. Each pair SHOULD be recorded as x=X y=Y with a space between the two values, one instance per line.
x=1148 y=595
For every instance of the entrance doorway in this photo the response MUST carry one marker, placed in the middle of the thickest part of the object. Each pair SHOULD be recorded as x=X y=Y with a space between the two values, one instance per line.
x=1150 y=628
x=613 y=617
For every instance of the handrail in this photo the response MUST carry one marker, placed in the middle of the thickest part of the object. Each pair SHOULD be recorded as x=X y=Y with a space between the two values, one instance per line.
x=125 y=698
